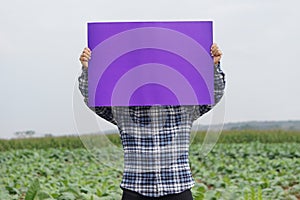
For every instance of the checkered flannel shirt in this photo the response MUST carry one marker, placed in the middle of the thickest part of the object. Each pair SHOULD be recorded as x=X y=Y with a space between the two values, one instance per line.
x=155 y=141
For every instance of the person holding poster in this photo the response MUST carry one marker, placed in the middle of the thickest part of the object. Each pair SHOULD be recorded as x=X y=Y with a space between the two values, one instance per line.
x=146 y=174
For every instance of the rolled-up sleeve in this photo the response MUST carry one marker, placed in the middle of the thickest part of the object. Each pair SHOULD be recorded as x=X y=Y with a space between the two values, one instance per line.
x=104 y=112
x=219 y=87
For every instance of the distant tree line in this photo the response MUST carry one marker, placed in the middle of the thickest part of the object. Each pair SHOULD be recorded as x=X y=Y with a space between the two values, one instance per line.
x=23 y=134
x=29 y=134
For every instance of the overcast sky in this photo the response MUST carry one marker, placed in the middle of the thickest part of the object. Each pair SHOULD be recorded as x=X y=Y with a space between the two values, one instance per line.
x=40 y=42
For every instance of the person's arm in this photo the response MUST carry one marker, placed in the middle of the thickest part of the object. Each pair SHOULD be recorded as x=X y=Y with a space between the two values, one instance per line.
x=103 y=111
x=219 y=84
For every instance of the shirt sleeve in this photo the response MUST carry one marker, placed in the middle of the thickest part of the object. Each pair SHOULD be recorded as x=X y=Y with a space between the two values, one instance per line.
x=103 y=111
x=219 y=86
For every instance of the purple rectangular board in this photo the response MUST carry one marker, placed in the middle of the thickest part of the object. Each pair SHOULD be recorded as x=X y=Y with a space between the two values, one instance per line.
x=150 y=63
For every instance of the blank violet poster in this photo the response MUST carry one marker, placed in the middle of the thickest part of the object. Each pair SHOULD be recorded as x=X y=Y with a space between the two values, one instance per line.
x=150 y=63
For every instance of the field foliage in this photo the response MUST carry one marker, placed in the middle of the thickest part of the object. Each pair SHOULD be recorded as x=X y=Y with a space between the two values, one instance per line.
x=248 y=165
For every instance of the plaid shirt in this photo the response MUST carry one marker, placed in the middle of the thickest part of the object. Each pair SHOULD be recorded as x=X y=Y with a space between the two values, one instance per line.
x=155 y=141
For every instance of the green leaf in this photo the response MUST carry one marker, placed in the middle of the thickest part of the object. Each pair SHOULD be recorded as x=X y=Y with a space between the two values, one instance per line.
x=43 y=195
x=259 y=194
x=253 y=194
x=246 y=197
x=99 y=193
x=67 y=196
x=33 y=190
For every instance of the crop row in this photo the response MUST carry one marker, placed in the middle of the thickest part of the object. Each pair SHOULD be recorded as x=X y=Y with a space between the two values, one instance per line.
x=71 y=142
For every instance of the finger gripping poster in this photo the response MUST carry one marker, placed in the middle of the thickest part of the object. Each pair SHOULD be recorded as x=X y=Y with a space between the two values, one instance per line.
x=150 y=63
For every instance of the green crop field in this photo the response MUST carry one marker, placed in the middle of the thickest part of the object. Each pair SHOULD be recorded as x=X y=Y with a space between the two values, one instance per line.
x=244 y=165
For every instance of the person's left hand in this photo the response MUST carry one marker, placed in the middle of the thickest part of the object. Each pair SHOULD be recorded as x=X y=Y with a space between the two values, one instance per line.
x=216 y=53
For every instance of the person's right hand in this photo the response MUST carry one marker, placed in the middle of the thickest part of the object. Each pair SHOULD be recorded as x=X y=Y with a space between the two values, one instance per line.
x=85 y=57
